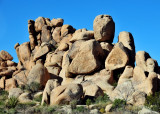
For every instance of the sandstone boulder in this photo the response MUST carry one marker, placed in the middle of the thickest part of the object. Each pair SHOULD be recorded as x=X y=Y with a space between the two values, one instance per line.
x=21 y=77
x=151 y=65
x=50 y=85
x=10 y=83
x=15 y=92
x=39 y=23
x=139 y=75
x=5 y=55
x=25 y=98
x=117 y=58
x=57 y=34
x=86 y=35
x=38 y=74
x=57 y=22
x=46 y=35
x=66 y=29
x=127 y=40
x=141 y=57
x=43 y=50
x=87 y=63
x=66 y=93
x=104 y=28
x=2 y=83
x=91 y=89
x=126 y=75
x=65 y=66
x=24 y=54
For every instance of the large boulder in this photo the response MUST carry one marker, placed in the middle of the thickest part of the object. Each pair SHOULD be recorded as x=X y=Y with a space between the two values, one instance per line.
x=91 y=89
x=15 y=92
x=39 y=23
x=117 y=58
x=65 y=94
x=85 y=35
x=104 y=28
x=66 y=29
x=21 y=77
x=127 y=40
x=87 y=63
x=10 y=83
x=57 y=22
x=50 y=85
x=42 y=51
x=126 y=75
x=141 y=57
x=38 y=74
x=57 y=34
x=5 y=55
x=46 y=35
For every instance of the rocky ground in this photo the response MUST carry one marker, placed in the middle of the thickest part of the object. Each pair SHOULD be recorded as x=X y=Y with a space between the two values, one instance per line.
x=64 y=70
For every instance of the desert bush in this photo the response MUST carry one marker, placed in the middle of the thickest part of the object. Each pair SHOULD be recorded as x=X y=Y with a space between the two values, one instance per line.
x=32 y=87
x=38 y=99
x=80 y=109
x=118 y=103
x=88 y=102
x=153 y=102
x=102 y=99
x=11 y=102
x=73 y=104
x=102 y=110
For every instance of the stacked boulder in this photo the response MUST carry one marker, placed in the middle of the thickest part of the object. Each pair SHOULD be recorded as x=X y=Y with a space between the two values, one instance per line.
x=72 y=64
x=7 y=68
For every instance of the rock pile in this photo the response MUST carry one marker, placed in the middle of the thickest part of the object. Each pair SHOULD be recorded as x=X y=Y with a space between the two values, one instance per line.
x=72 y=64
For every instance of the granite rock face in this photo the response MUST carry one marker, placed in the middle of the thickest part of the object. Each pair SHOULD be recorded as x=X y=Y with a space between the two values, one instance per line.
x=71 y=64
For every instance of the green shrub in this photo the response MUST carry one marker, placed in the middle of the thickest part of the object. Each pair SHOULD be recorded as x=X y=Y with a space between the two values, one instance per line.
x=118 y=103
x=38 y=99
x=153 y=102
x=49 y=109
x=80 y=109
x=73 y=104
x=102 y=110
x=12 y=102
x=102 y=99
x=32 y=87
x=88 y=102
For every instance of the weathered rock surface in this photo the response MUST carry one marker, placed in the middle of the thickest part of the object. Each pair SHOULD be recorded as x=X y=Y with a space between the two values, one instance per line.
x=5 y=55
x=15 y=92
x=50 y=85
x=104 y=28
x=82 y=63
x=38 y=74
x=127 y=40
x=66 y=93
x=117 y=58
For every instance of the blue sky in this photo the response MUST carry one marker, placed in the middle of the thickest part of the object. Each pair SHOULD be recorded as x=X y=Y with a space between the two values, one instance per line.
x=140 y=17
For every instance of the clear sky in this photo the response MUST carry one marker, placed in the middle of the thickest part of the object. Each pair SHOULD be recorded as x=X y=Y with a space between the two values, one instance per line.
x=140 y=17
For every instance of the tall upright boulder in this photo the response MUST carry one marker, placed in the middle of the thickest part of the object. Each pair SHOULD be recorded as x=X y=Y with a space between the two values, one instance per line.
x=104 y=28
x=127 y=40
x=38 y=74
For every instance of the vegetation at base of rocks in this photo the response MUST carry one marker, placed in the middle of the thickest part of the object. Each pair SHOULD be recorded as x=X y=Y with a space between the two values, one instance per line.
x=118 y=103
x=153 y=102
x=81 y=109
x=32 y=87
x=38 y=98
x=11 y=102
